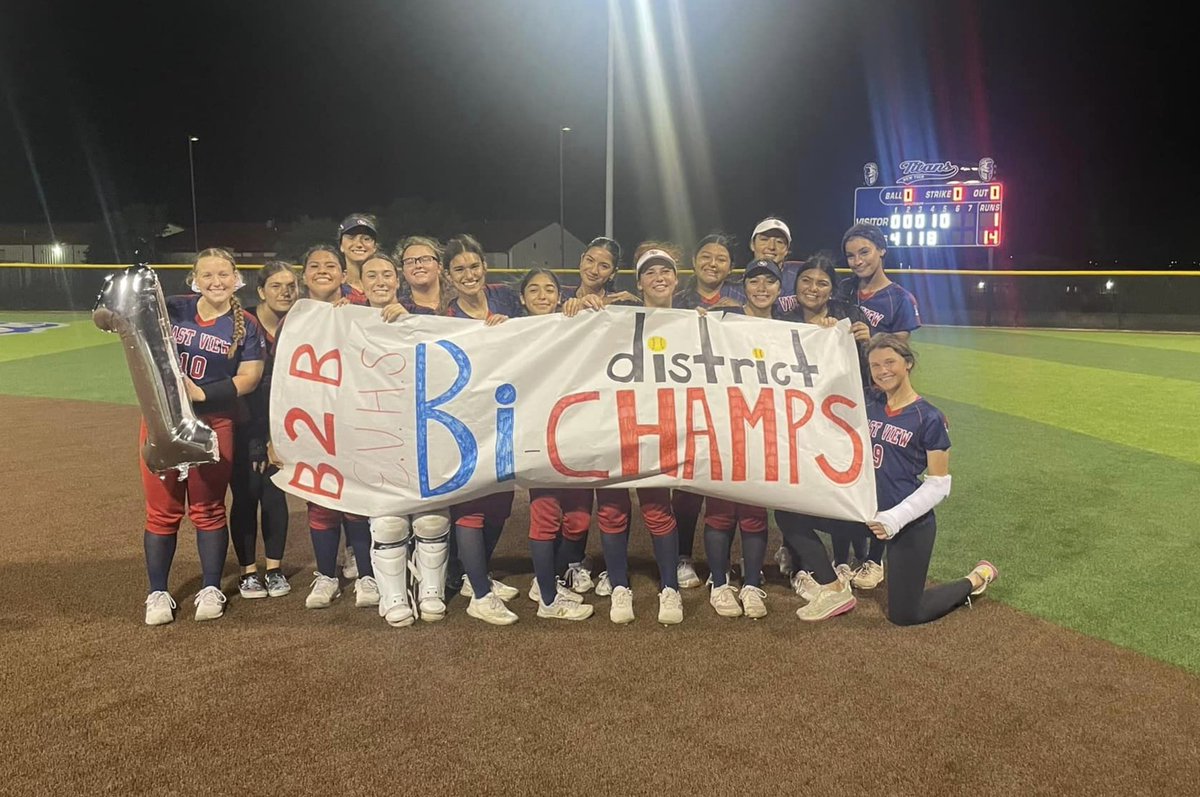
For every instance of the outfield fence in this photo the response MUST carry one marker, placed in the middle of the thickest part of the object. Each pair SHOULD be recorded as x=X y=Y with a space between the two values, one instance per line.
x=1144 y=300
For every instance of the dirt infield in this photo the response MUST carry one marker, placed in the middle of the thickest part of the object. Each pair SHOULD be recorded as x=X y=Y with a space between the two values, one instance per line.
x=988 y=700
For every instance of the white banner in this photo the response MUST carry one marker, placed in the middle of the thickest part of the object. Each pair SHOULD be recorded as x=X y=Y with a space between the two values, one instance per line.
x=386 y=419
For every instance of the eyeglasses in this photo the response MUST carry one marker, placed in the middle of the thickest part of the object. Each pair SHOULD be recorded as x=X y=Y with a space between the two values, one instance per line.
x=424 y=260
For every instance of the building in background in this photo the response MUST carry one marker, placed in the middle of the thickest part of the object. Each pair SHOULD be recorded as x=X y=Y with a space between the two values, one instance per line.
x=524 y=244
x=33 y=243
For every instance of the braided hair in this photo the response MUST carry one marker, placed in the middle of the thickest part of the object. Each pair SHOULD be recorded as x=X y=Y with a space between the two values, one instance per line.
x=235 y=305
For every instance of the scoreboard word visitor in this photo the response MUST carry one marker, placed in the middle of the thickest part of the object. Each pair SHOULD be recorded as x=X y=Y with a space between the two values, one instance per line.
x=947 y=214
x=389 y=419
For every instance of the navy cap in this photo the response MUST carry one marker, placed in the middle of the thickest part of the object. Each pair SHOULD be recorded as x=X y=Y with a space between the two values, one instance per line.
x=358 y=220
x=756 y=267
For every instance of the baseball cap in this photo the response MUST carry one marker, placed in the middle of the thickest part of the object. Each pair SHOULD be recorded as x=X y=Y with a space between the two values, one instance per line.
x=356 y=220
x=654 y=256
x=771 y=223
x=756 y=267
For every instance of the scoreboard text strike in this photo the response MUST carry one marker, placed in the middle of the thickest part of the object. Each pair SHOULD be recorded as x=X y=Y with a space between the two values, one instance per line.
x=957 y=214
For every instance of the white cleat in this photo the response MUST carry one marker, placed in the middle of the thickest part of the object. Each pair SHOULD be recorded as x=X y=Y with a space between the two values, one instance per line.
x=491 y=609
x=753 y=603
x=868 y=576
x=325 y=589
x=210 y=603
x=805 y=585
x=604 y=585
x=504 y=591
x=685 y=573
x=724 y=601
x=159 y=608
x=366 y=592
x=579 y=579
x=670 y=607
x=563 y=609
x=621 y=610
x=535 y=593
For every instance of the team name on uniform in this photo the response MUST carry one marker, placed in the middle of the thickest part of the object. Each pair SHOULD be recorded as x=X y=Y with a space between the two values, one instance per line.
x=890 y=434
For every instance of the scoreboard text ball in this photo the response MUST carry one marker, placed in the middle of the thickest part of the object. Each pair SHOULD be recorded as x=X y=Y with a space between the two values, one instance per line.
x=957 y=214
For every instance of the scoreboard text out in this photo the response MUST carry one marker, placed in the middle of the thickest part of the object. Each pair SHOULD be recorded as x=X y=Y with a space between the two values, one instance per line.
x=954 y=214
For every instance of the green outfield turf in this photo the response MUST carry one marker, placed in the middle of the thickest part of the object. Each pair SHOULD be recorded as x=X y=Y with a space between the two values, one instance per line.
x=1075 y=465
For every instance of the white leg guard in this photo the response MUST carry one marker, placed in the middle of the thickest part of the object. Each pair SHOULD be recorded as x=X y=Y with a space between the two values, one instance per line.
x=390 y=537
x=431 y=556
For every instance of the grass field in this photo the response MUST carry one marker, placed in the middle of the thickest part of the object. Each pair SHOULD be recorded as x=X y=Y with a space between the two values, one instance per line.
x=1076 y=468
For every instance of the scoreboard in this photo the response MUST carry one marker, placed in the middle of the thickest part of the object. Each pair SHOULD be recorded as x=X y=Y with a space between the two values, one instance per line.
x=948 y=214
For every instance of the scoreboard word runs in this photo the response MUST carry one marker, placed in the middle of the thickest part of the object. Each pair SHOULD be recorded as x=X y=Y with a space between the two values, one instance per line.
x=958 y=214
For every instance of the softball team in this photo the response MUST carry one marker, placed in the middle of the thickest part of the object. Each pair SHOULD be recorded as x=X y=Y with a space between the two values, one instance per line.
x=452 y=550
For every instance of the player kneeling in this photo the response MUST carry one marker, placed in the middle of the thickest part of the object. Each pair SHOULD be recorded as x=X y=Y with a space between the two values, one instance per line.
x=429 y=536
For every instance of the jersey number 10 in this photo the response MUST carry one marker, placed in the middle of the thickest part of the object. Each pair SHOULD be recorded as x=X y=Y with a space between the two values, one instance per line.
x=196 y=369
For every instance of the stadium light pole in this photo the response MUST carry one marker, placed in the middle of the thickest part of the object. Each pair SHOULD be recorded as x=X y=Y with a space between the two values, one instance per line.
x=562 y=231
x=192 y=169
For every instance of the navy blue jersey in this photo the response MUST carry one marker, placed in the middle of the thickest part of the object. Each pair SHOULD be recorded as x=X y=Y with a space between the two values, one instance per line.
x=203 y=346
x=501 y=300
x=257 y=417
x=899 y=442
x=838 y=309
x=890 y=309
x=690 y=297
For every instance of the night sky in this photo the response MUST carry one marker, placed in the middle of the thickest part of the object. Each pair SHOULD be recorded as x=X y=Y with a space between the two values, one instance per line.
x=321 y=108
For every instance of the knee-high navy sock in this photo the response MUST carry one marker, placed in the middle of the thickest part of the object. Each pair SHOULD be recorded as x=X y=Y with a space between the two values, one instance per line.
x=358 y=537
x=160 y=551
x=666 y=553
x=716 y=549
x=754 y=551
x=542 y=552
x=861 y=547
x=213 y=545
x=875 y=551
x=616 y=557
x=570 y=552
x=325 y=546
x=841 y=548
x=472 y=551
x=491 y=537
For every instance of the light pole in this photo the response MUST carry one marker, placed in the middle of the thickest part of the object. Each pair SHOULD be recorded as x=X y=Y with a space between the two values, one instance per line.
x=192 y=169
x=562 y=231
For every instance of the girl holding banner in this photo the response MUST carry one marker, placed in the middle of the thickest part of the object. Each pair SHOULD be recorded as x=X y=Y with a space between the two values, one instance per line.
x=762 y=285
x=814 y=288
x=709 y=288
x=324 y=277
x=598 y=266
x=425 y=281
x=909 y=437
x=478 y=524
x=657 y=281
x=558 y=518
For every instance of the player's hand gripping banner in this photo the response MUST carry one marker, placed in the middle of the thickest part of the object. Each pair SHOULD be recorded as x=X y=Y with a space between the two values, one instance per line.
x=377 y=419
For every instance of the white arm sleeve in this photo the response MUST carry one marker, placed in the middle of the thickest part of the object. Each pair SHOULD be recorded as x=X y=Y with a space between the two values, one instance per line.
x=931 y=493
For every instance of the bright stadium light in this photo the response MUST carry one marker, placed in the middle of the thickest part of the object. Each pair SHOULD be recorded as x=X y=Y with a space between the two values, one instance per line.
x=1108 y=286
x=981 y=285
x=56 y=250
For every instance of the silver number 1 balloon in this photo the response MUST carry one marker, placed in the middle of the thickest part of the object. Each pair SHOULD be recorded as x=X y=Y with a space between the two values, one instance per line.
x=131 y=304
